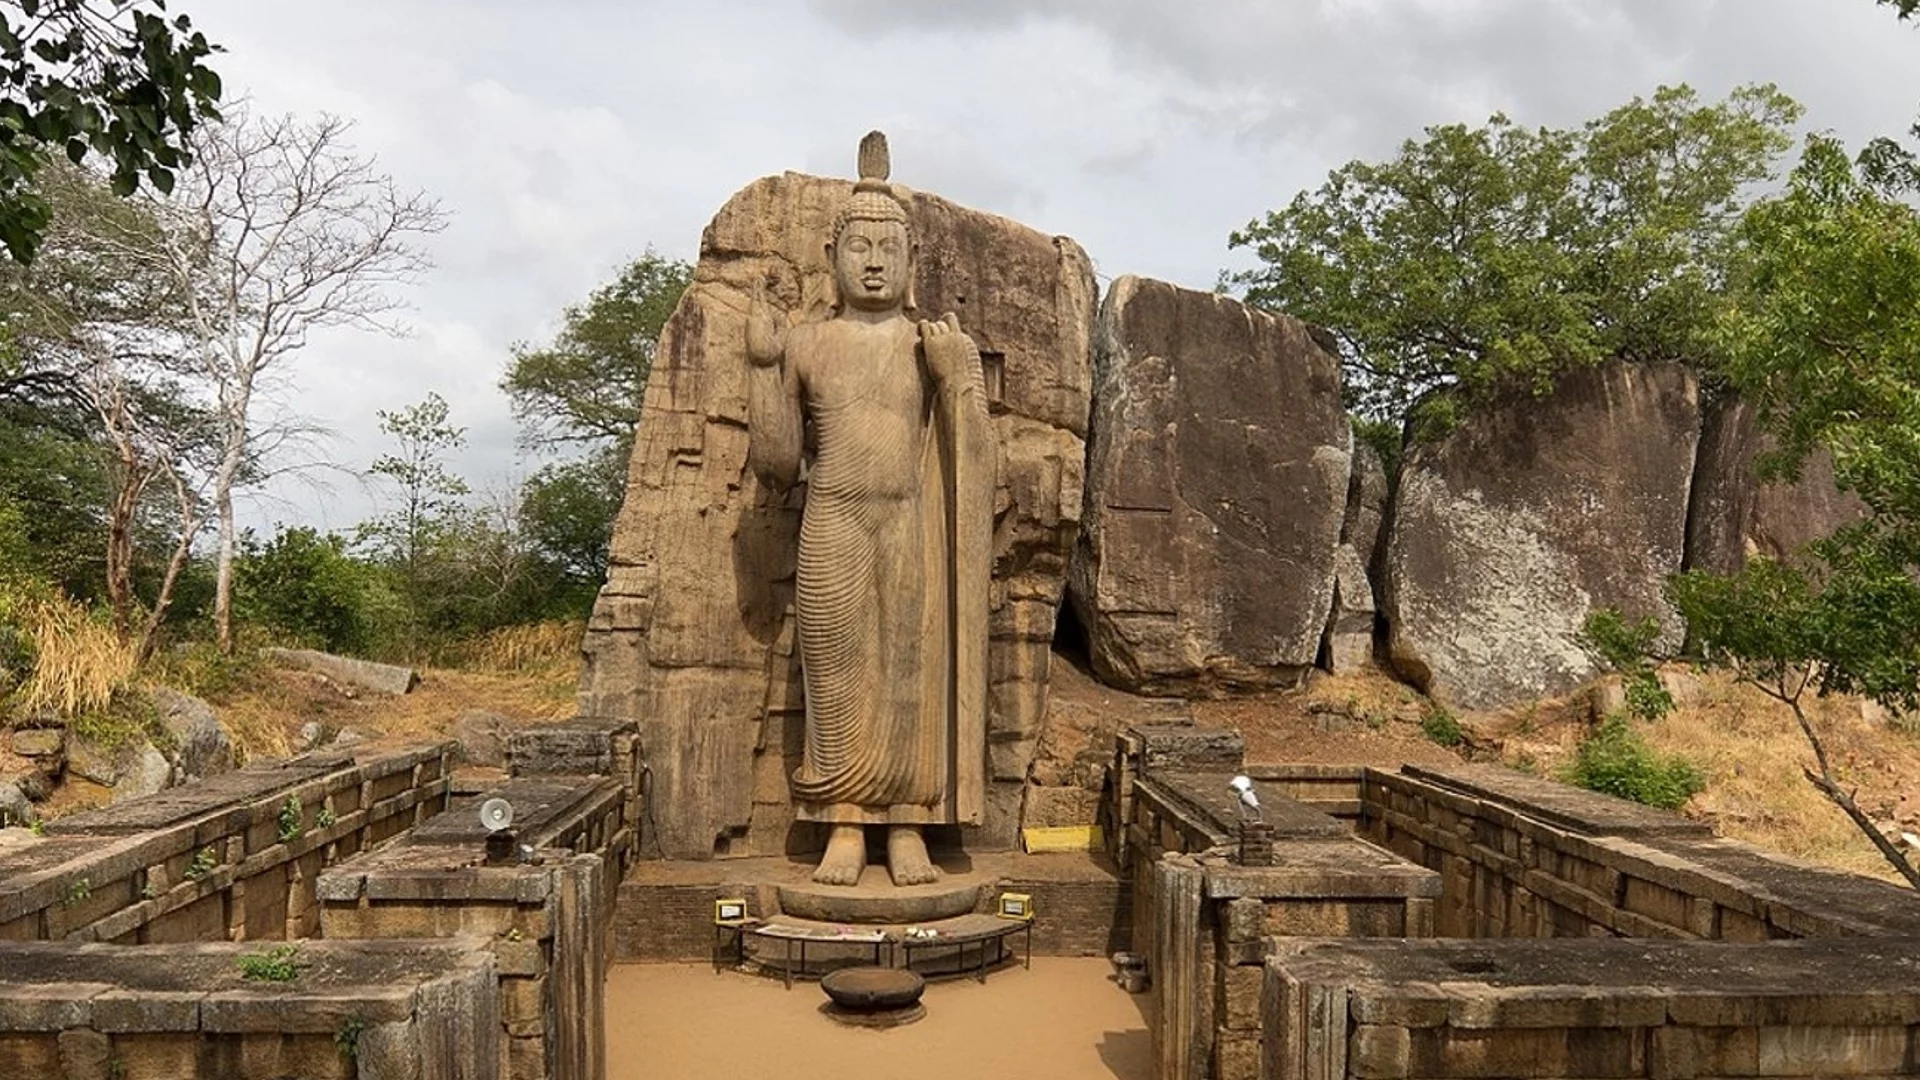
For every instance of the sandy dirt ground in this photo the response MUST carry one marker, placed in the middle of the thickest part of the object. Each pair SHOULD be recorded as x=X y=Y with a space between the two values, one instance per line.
x=1065 y=1020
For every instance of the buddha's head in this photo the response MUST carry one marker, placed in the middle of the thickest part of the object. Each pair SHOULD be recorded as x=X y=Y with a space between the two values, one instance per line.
x=872 y=252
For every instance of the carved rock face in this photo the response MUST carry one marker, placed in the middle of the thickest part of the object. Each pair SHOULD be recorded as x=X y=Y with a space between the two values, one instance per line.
x=693 y=635
x=1217 y=490
x=1510 y=529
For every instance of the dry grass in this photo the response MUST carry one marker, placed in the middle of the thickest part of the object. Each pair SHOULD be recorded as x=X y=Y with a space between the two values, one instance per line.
x=534 y=649
x=79 y=663
x=266 y=714
x=1752 y=754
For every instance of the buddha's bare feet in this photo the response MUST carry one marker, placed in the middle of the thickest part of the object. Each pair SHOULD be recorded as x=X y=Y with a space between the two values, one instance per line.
x=907 y=857
x=846 y=856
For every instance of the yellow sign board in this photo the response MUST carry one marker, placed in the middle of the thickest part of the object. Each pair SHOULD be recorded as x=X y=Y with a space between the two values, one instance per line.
x=1062 y=838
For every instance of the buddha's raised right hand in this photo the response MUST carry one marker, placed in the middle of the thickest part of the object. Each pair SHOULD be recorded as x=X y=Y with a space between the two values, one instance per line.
x=764 y=344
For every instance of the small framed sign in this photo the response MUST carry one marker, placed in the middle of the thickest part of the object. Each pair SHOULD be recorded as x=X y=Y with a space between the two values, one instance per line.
x=1015 y=905
x=729 y=911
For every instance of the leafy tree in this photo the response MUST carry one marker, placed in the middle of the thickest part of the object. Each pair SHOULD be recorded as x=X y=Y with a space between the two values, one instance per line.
x=95 y=76
x=1485 y=260
x=1780 y=630
x=1825 y=339
x=1905 y=8
x=303 y=587
x=585 y=386
x=567 y=511
x=583 y=390
x=430 y=495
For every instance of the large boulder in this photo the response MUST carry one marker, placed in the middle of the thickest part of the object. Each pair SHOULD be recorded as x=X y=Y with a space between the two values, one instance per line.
x=1217 y=485
x=15 y=809
x=693 y=634
x=1736 y=515
x=201 y=745
x=1508 y=531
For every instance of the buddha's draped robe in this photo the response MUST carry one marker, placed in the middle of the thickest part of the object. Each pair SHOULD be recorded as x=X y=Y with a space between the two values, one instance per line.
x=891 y=601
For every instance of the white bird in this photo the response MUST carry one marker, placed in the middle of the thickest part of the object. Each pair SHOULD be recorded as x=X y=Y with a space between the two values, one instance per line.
x=1243 y=786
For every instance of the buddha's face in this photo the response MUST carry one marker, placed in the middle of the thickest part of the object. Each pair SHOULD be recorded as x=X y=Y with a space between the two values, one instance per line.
x=870 y=264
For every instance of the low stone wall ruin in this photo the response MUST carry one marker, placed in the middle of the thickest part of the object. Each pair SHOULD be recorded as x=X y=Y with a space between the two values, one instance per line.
x=1372 y=1010
x=234 y=857
x=543 y=915
x=358 y=1011
x=1524 y=857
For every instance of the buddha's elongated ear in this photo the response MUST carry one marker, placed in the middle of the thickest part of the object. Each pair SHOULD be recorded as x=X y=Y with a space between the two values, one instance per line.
x=913 y=266
x=833 y=281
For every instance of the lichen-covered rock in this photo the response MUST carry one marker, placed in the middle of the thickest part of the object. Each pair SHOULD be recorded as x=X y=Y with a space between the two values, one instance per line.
x=1217 y=487
x=482 y=735
x=201 y=745
x=147 y=771
x=693 y=634
x=1509 y=530
x=15 y=809
x=1736 y=515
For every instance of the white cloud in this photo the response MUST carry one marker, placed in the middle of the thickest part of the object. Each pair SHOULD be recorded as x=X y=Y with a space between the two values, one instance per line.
x=563 y=138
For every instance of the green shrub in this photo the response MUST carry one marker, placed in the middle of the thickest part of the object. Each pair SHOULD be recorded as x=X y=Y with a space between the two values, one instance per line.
x=303 y=588
x=1441 y=726
x=1616 y=760
x=1646 y=698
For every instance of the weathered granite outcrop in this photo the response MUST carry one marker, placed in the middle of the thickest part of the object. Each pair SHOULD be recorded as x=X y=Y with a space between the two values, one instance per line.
x=693 y=634
x=1736 y=515
x=1510 y=529
x=1217 y=481
x=1350 y=625
x=349 y=671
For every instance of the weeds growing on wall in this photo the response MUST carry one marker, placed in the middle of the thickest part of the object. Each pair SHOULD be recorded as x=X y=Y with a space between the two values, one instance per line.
x=281 y=963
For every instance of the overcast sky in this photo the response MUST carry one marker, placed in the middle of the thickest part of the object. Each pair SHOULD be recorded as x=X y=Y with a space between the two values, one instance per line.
x=565 y=137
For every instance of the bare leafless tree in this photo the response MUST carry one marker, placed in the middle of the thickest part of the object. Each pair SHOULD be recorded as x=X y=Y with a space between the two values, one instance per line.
x=283 y=230
x=99 y=317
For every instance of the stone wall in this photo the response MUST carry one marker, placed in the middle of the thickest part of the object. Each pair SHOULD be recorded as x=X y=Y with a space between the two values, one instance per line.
x=693 y=633
x=544 y=917
x=1387 y=1009
x=233 y=857
x=1205 y=902
x=357 y=1011
x=1523 y=857
x=665 y=910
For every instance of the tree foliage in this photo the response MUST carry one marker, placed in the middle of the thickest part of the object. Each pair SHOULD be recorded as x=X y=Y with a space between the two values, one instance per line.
x=1484 y=260
x=586 y=384
x=303 y=588
x=1825 y=339
x=106 y=77
x=583 y=391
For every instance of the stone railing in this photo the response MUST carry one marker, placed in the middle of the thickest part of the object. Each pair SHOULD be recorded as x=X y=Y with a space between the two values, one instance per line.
x=352 y=1011
x=543 y=912
x=1524 y=857
x=1375 y=1010
x=234 y=857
